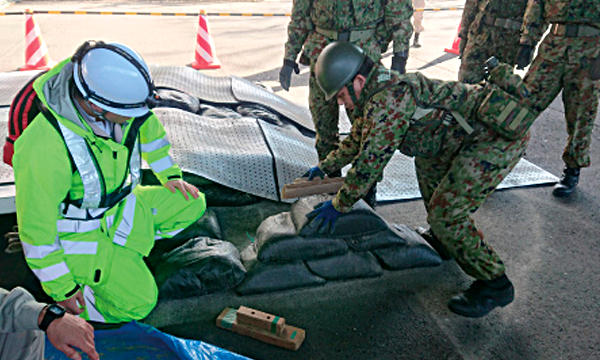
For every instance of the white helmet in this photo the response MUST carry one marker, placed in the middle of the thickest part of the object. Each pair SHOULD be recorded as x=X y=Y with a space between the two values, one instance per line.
x=113 y=77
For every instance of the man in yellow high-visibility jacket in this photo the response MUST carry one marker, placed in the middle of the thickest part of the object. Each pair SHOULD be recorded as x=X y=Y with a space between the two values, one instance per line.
x=84 y=221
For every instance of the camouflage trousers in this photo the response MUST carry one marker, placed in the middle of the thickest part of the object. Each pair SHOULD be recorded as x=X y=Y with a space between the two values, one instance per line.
x=481 y=45
x=455 y=184
x=561 y=65
x=325 y=116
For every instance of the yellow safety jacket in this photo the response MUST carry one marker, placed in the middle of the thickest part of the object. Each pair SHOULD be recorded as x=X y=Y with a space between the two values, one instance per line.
x=74 y=189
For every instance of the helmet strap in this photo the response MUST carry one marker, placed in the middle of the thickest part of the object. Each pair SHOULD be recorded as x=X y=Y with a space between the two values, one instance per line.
x=350 y=87
x=98 y=114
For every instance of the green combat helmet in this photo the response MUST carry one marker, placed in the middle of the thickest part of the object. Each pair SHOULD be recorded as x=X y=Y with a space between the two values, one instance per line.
x=337 y=65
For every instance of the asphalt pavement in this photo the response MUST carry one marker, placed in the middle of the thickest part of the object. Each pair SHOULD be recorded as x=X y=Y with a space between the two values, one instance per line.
x=549 y=245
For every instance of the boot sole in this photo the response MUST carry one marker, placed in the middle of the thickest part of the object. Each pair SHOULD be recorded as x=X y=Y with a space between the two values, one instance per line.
x=488 y=308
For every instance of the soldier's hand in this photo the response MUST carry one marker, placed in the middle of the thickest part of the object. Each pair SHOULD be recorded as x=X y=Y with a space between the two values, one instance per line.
x=524 y=56
x=399 y=62
x=462 y=44
x=285 y=74
x=313 y=173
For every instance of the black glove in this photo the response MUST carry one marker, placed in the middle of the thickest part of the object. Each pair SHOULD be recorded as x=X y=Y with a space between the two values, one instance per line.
x=524 y=56
x=285 y=74
x=399 y=62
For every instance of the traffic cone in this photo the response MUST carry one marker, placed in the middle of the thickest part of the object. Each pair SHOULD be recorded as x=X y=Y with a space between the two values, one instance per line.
x=36 y=52
x=455 y=44
x=205 y=57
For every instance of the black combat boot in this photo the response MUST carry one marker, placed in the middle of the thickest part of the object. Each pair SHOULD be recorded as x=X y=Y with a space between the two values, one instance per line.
x=482 y=297
x=428 y=235
x=566 y=185
x=371 y=196
x=416 y=41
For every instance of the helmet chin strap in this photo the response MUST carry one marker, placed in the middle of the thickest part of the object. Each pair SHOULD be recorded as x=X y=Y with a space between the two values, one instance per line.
x=98 y=114
x=350 y=87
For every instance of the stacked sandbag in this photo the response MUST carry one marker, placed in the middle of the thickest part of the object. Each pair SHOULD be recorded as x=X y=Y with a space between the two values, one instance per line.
x=196 y=261
x=200 y=266
x=290 y=252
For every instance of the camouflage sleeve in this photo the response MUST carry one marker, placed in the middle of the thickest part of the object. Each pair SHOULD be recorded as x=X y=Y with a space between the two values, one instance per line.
x=468 y=15
x=346 y=151
x=298 y=29
x=534 y=24
x=397 y=16
x=386 y=119
x=450 y=95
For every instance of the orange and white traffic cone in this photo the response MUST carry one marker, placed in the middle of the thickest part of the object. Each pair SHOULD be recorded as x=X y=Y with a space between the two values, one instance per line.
x=205 y=56
x=455 y=44
x=36 y=52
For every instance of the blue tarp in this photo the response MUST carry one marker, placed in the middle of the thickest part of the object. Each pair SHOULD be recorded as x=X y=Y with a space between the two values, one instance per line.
x=141 y=341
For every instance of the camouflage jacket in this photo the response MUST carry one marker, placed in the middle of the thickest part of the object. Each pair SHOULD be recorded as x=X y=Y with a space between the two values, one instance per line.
x=475 y=10
x=540 y=13
x=385 y=16
x=383 y=117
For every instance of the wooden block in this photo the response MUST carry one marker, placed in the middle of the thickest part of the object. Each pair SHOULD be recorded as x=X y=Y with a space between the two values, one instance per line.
x=260 y=320
x=290 y=337
x=302 y=187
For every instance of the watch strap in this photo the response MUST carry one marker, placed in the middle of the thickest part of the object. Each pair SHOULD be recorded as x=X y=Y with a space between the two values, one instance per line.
x=53 y=312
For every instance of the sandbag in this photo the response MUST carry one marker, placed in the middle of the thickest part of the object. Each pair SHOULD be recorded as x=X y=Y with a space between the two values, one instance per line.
x=416 y=252
x=268 y=277
x=350 y=265
x=259 y=112
x=207 y=226
x=362 y=228
x=277 y=241
x=198 y=267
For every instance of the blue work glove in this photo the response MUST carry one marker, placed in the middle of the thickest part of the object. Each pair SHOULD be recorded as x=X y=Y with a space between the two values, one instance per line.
x=399 y=62
x=285 y=74
x=524 y=56
x=326 y=214
x=314 y=172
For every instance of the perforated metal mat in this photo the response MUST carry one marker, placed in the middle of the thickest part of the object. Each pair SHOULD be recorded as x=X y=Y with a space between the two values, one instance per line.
x=248 y=154
x=400 y=182
x=228 y=90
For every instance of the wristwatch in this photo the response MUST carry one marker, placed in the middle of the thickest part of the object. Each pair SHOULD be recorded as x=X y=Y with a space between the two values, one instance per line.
x=53 y=312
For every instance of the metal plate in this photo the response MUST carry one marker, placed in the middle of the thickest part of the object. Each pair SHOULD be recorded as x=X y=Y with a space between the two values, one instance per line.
x=207 y=88
x=231 y=152
x=11 y=83
x=294 y=153
x=400 y=180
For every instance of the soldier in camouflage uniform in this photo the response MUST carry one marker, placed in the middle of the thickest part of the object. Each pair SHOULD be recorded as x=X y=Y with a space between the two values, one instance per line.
x=367 y=23
x=488 y=28
x=459 y=161
x=568 y=59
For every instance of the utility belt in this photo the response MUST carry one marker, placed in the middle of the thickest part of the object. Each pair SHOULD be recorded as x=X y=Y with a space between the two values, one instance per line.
x=346 y=35
x=504 y=23
x=574 y=30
